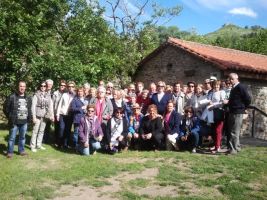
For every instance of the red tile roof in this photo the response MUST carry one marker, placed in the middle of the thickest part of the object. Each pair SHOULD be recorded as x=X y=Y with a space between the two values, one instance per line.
x=226 y=59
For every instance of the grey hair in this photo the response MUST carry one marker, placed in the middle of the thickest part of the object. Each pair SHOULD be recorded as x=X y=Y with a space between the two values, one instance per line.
x=234 y=75
x=49 y=81
x=101 y=88
x=86 y=85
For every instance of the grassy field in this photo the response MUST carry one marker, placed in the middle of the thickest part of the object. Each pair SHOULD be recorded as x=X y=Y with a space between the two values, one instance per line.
x=53 y=174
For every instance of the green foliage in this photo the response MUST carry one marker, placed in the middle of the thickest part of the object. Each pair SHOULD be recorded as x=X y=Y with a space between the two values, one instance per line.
x=252 y=39
x=165 y=32
x=58 y=39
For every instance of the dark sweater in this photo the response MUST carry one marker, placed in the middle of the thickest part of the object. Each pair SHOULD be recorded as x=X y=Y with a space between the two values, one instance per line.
x=174 y=123
x=12 y=106
x=239 y=99
x=162 y=104
x=153 y=126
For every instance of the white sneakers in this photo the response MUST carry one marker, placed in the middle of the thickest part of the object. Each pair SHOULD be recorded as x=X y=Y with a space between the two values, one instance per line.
x=42 y=148
x=35 y=149
x=194 y=150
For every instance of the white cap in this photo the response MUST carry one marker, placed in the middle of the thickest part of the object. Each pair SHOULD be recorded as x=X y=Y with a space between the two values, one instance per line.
x=213 y=78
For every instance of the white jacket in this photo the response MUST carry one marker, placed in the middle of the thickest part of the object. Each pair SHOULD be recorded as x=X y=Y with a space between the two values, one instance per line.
x=64 y=104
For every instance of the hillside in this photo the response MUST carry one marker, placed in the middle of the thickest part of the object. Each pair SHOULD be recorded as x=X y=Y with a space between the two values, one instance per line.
x=232 y=31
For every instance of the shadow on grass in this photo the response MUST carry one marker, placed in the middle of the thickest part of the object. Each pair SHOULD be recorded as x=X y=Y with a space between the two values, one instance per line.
x=3 y=126
x=3 y=148
x=253 y=142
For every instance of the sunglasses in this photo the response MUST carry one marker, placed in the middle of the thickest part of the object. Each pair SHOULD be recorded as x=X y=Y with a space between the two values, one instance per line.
x=188 y=111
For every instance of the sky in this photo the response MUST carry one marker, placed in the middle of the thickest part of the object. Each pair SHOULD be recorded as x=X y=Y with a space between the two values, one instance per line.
x=205 y=16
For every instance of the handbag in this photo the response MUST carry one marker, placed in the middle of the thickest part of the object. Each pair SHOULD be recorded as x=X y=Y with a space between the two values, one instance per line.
x=218 y=114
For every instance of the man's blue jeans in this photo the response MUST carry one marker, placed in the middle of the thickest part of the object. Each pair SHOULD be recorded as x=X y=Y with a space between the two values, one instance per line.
x=22 y=129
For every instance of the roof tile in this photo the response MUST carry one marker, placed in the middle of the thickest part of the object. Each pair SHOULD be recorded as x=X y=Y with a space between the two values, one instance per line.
x=223 y=57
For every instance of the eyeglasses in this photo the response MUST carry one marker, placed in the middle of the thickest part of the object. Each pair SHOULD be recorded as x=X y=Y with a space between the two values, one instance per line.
x=91 y=111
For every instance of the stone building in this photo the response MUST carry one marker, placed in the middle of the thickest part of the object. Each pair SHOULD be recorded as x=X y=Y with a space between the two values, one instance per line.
x=186 y=61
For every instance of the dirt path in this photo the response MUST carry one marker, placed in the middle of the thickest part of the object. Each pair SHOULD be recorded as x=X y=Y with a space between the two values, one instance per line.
x=107 y=192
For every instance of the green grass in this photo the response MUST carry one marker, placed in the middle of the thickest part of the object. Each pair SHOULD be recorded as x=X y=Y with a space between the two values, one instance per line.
x=139 y=182
x=192 y=176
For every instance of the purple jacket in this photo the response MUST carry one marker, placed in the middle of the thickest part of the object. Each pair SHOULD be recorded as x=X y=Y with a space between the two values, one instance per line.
x=76 y=109
x=83 y=129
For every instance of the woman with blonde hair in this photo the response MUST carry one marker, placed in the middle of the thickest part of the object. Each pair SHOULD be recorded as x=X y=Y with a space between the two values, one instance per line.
x=151 y=130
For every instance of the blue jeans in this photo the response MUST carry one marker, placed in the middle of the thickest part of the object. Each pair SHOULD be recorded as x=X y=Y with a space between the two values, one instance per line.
x=75 y=135
x=65 y=123
x=22 y=128
x=93 y=146
x=192 y=141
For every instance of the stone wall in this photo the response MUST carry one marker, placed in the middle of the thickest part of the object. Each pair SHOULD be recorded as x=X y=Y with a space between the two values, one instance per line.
x=172 y=64
x=258 y=91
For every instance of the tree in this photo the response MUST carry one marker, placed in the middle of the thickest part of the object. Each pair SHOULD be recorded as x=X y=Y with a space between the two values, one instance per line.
x=55 y=39
x=138 y=34
x=24 y=29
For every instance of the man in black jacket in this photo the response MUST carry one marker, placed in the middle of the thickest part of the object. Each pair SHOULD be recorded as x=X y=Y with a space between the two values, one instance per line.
x=239 y=100
x=17 y=109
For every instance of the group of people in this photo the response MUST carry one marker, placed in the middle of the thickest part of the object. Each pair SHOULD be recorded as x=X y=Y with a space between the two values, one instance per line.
x=111 y=119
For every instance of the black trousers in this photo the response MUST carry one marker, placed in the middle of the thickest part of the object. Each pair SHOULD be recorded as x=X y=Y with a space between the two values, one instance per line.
x=155 y=142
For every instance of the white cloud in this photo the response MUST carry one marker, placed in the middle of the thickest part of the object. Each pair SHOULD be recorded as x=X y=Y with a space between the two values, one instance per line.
x=213 y=4
x=216 y=5
x=243 y=11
